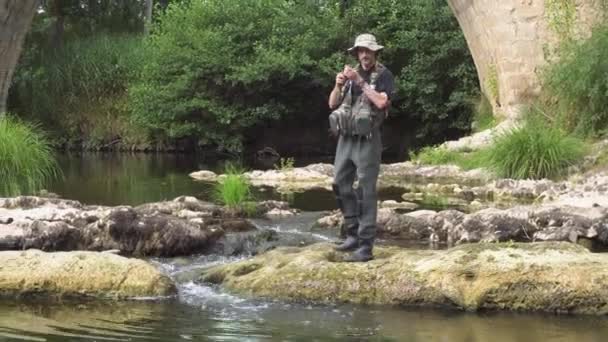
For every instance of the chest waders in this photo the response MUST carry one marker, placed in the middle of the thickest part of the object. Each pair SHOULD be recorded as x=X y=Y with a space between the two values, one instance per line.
x=358 y=156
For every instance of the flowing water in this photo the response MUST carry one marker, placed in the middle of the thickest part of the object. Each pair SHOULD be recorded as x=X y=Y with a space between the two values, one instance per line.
x=207 y=313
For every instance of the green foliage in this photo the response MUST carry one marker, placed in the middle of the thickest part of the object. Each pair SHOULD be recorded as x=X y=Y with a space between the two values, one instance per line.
x=216 y=68
x=285 y=164
x=26 y=160
x=534 y=150
x=234 y=190
x=578 y=85
x=483 y=117
x=561 y=16
x=80 y=88
x=437 y=155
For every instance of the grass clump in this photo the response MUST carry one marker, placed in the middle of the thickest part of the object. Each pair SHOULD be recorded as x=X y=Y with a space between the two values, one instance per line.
x=438 y=155
x=234 y=190
x=285 y=164
x=534 y=150
x=26 y=158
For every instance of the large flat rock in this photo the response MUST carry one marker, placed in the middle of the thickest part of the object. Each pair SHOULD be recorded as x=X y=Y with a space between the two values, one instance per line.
x=553 y=277
x=76 y=274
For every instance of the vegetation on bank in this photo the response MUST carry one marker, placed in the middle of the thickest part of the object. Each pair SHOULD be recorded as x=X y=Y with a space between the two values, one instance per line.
x=571 y=113
x=80 y=89
x=206 y=76
x=534 y=149
x=234 y=190
x=26 y=159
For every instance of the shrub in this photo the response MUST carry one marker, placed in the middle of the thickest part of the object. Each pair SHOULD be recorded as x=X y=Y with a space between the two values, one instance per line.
x=211 y=74
x=26 y=160
x=534 y=150
x=578 y=86
x=80 y=89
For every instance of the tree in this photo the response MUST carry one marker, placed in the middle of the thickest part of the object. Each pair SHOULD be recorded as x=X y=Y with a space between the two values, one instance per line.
x=15 y=20
x=148 y=16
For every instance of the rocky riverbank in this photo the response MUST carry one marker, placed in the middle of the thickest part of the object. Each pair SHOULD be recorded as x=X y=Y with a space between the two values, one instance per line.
x=550 y=277
x=183 y=226
x=79 y=274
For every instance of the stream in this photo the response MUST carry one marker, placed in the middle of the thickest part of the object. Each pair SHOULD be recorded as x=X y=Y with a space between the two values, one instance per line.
x=207 y=313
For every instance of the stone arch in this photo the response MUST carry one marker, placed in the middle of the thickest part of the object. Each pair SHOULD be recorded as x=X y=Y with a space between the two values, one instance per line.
x=511 y=40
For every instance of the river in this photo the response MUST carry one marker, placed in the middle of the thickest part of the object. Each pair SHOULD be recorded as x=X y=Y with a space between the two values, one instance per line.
x=207 y=313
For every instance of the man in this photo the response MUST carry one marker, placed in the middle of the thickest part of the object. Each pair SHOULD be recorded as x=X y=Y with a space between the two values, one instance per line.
x=362 y=96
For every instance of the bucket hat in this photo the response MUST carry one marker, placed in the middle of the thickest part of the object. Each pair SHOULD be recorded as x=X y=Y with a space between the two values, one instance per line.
x=365 y=40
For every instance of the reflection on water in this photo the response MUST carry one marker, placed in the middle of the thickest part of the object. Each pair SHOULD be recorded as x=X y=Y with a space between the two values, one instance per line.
x=133 y=179
x=203 y=314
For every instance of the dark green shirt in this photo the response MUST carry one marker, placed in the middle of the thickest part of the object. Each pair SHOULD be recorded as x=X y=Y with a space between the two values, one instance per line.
x=384 y=84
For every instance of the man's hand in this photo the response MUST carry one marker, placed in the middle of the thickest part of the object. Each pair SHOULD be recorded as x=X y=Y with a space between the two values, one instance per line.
x=352 y=74
x=340 y=80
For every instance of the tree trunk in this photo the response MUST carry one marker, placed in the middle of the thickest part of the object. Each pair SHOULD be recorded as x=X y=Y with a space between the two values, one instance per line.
x=15 y=20
x=59 y=31
x=148 y=21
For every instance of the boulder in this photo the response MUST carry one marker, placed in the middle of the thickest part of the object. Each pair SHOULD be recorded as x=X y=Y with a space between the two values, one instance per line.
x=79 y=274
x=552 y=277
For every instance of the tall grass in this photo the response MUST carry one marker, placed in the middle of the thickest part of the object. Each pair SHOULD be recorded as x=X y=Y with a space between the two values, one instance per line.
x=234 y=190
x=26 y=159
x=535 y=150
x=81 y=88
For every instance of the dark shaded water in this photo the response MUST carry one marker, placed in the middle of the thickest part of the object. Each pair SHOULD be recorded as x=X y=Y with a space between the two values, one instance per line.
x=205 y=313
x=133 y=179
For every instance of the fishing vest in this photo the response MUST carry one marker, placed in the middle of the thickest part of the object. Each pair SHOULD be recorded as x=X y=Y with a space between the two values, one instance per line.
x=361 y=117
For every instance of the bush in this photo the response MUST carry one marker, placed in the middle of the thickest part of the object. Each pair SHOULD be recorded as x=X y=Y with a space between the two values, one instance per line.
x=80 y=89
x=534 y=150
x=578 y=85
x=211 y=74
x=26 y=160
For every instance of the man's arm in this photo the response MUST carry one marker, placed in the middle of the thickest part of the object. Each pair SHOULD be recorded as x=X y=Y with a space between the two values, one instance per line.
x=335 y=97
x=336 y=94
x=380 y=100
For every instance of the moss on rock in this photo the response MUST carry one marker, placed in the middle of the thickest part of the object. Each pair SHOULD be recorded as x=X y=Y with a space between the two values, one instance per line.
x=79 y=274
x=554 y=277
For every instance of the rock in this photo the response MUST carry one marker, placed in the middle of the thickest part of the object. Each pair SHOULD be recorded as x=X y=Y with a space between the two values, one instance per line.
x=179 y=227
x=332 y=220
x=278 y=213
x=204 y=175
x=551 y=277
x=147 y=235
x=259 y=241
x=392 y=204
x=235 y=225
x=77 y=274
x=521 y=223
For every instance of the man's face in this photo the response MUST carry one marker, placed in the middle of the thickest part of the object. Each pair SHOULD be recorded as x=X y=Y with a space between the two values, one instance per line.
x=366 y=57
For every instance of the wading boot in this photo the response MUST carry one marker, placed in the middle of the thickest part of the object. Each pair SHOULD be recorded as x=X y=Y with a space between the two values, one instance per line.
x=352 y=240
x=363 y=253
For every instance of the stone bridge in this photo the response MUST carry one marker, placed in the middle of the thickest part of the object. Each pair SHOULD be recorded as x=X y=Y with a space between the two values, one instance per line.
x=511 y=40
